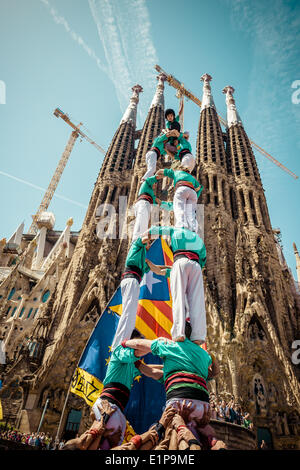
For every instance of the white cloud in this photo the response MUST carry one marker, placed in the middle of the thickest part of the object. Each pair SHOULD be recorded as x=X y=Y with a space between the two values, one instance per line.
x=60 y=20
x=124 y=29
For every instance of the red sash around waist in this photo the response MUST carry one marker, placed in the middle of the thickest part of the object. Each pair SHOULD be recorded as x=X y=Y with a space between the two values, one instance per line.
x=187 y=254
x=184 y=183
x=185 y=378
x=145 y=197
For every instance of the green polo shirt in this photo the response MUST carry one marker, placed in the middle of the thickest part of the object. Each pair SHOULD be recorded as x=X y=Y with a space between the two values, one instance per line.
x=121 y=367
x=179 y=175
x=137 y=255
x=183 y=239
x=182 y=356
x=147 y=188
x=159 y=143
x=184 y=145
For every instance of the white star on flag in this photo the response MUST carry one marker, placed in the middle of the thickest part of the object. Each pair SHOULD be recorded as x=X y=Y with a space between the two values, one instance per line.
x=149 y=280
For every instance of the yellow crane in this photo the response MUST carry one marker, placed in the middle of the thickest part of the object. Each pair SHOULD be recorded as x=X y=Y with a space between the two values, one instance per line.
x=182 y=91
x=33 y=229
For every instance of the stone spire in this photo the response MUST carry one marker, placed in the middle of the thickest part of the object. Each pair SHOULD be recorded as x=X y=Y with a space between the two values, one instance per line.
x=159 y=99
x=153 y=125
x=130 y=113
x=240 y=156
x=232 y=114
x=210 y=145
x=297 y=263
x=207 y=99
x=120 y=153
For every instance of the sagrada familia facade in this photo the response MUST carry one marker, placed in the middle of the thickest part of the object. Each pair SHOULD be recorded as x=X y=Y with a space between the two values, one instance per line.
x=55 y=285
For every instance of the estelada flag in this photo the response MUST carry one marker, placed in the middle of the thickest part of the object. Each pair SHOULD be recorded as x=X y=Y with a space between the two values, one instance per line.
x=154 y=319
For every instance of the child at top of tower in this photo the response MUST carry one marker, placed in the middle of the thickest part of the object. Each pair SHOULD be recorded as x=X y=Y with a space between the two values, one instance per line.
x=172 y=120
x=172 y=123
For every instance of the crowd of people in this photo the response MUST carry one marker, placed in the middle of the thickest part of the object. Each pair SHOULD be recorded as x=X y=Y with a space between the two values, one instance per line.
x=229 y=411
x=40 y=441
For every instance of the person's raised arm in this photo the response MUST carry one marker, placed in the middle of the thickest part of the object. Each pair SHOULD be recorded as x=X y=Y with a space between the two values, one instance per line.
x=180 y=107
x=155 y=371
x=159 y=174
x=158 y=269
x=142 y=345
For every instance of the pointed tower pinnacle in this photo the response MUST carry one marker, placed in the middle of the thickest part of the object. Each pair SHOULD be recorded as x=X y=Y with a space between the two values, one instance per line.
x=232 y=114
x=207 y=99
x=153 y=125
x=297 y=263
x=130 y=113
x=158 y=99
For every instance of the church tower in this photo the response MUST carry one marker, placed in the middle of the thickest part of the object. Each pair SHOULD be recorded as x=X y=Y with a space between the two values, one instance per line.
x=251 y=309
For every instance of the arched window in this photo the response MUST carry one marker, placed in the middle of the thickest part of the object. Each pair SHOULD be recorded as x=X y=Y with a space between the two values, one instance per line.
x=45 y=296
x=21 y=313
x=13 y=312
x=11 y=294
x=233 y=202
x=30 y=312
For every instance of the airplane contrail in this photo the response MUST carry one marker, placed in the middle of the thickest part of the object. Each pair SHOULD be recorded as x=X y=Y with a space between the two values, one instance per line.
x=42 y=189
x=61 y=20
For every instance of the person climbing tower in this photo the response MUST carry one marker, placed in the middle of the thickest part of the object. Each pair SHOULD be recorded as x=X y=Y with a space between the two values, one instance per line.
x=122 y=369
x=172 y=123
x=186 y=369
x=156 y=151
x=135 y=268
x=142 y=207
x=184 y=152
x=186 y=281
x=186 y=194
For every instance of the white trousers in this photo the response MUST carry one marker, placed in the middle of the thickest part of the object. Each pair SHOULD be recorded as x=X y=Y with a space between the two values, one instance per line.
x=188 y=161
x=130 y=290
x=187 y=290
x=151 y=160
x=117 y=420
x=202 y=407
x=142 y=210
x=185 y=208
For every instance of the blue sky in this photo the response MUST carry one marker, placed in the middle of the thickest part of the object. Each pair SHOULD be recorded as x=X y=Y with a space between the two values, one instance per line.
x=84 y=55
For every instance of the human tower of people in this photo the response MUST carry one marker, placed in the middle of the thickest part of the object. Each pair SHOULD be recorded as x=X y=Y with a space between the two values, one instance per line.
x=186 y=366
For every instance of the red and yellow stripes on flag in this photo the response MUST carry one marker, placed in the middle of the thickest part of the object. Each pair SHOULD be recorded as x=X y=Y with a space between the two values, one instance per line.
x=154 y=317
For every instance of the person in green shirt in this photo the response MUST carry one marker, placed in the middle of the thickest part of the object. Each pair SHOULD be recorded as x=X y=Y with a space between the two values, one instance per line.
x=186 y=281
x=142 y=207
x=186 y=369
x=186 y=194
x=172 y=123
x=119 y=377
x=184 y=153
x=156 y=151
x=123 y=368
x=135 y=268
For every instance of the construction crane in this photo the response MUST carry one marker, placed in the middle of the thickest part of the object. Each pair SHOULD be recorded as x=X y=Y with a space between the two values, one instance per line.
x=182 y=91
x=33 y=229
